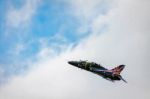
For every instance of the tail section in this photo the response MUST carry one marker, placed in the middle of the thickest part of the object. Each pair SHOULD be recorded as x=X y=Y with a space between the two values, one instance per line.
x=117 y=70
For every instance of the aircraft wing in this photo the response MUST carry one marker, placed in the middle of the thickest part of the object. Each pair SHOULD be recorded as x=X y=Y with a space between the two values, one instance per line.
x=98 y=66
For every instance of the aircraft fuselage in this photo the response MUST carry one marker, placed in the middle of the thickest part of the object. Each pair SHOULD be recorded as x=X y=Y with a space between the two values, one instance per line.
x=99 y=70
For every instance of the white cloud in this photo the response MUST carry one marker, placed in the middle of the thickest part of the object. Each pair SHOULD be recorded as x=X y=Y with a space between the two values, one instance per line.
x=50 y=50
x=1 y=73
x=17 y=17
x=86 y=11
x=17 y=49
x=125 y=42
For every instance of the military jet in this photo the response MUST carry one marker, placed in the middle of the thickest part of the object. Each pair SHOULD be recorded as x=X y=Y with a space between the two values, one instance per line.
x=111 y=75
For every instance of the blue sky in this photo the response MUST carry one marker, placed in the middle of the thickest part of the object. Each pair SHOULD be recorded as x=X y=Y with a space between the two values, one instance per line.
x=25 y=24
x=38 y=37
x=50 y=18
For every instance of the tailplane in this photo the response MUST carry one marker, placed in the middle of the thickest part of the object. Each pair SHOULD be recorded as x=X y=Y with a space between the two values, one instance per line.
x=122 y=79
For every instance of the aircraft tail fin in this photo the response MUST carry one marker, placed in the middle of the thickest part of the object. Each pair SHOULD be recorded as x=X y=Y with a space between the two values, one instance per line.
x=117 y=70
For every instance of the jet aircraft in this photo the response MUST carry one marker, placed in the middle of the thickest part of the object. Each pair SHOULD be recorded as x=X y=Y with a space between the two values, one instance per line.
x=111 y=75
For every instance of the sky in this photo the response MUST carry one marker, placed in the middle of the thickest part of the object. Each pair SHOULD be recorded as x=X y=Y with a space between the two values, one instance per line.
x=39 y=37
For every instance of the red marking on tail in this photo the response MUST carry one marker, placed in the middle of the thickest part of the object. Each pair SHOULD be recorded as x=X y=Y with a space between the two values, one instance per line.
x=117 y=70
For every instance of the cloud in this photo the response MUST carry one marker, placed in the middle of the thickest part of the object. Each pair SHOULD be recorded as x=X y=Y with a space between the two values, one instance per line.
x=17 y=17
x=17 y=49
x=2 y=74
x=86 y=11
x=89 y=8
x=125 y=41
x=15 y=31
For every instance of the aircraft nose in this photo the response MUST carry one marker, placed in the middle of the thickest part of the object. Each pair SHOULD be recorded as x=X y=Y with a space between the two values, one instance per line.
x=73 y=63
